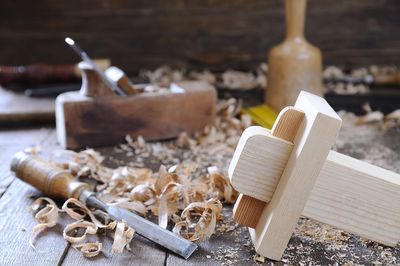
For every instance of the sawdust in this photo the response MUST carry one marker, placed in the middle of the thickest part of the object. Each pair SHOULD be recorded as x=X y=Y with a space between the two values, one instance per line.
x=185 y=195
x=229 y=79
x=337 y=80
x=189 y=171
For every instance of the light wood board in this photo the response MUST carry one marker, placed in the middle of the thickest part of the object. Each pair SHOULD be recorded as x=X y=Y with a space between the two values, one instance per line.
x=313 y=141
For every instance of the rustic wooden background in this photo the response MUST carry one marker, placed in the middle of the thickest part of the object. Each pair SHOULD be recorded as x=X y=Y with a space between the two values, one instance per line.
x=196 y=33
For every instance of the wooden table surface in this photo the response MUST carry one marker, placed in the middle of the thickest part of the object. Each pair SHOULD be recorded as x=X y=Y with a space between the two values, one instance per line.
x=16 y=222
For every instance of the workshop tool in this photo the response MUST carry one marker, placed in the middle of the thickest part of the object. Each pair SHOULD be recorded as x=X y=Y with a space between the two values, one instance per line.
x=95 y=116
x=294 y=171
x=18 y=77
x=84 y=56
x=295 y=64
x=56 y=182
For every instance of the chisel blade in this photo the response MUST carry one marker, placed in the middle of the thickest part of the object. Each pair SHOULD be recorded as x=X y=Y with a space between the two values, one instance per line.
x=147 y=229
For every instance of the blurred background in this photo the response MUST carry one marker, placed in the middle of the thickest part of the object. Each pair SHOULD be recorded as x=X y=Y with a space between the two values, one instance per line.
x=194 y=34
x=225 y=43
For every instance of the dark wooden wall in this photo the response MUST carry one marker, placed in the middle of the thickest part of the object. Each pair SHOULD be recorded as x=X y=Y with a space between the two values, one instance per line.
x=195 y=33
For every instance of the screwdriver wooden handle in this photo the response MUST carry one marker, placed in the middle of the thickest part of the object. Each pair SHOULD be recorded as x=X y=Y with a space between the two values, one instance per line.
x=50 y=179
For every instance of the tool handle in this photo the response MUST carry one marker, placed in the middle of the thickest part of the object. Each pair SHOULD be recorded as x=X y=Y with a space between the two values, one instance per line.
x=44 y=73
x=37 y=74
x=51 y=180
x=387 y=79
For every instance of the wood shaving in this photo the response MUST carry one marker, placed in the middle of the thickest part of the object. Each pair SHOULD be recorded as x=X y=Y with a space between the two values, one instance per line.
x=371 y=117
x=89 y=250
x=391 y=120
x=239 y=80
x=123 y=236
x=47 y=217
x=89 y=228
x=199 y=220
x=188 y=193
x=259 y=258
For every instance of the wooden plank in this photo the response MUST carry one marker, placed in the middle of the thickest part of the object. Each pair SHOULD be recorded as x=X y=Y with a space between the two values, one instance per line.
x=16 y=221
x=357 y=197
x=16 y=107
x=16 y=224
x=143 y=252
x=12 y=142
x=313 y=141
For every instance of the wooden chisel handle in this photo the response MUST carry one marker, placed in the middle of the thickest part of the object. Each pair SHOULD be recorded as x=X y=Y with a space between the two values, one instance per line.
x=44 y=73
x=51 y=180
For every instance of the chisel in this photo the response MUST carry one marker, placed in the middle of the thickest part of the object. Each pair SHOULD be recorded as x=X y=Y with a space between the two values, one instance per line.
x=59 y=183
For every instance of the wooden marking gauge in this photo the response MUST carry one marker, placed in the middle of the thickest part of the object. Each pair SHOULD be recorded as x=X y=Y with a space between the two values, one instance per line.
x=291 y=171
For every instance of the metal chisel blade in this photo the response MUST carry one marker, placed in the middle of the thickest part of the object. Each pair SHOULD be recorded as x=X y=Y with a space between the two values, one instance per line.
x=147 y=229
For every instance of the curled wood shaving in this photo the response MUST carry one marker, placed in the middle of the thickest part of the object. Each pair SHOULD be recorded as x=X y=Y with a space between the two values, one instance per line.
x=89 y=228
x=185 y=194
x=89 y=250
x=170 y=193
x=220 y=184
x=123 y=236
x=47 y=216
x=371 y=117
x=199 y=220
x=78 y=211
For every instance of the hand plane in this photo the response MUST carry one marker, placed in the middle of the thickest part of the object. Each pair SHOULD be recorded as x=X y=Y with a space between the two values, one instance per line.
x=109 y=107
x=96 y=116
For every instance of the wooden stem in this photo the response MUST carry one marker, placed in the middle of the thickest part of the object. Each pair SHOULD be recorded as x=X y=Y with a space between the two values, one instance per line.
x=295 y=18
x=247 y=210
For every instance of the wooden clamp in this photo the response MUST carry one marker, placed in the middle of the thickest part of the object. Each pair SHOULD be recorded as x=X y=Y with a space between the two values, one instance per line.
x=292 y=172
x=96 y=116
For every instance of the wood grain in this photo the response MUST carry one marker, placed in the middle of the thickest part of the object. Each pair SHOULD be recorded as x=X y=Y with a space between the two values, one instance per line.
x=16 y=107
x=294 y=64
x=357 y=197
x=313 y=141
x=245 y=171
x=351 y=195
x=10 y=143
x=247 y=210
x=215 y=34
x=88 y=122
x=16 y=221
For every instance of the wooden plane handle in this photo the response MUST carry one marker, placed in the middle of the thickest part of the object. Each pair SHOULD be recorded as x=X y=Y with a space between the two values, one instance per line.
x=247 y=210
x=92 y=84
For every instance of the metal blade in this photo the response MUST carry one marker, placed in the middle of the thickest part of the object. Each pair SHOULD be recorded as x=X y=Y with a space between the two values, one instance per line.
x=147 y=229
x=84 y=56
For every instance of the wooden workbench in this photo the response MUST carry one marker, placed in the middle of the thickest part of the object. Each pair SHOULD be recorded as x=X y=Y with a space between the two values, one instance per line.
x=311 y=244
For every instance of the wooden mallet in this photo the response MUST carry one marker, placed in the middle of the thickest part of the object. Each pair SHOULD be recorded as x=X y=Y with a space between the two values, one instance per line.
x=291 y=171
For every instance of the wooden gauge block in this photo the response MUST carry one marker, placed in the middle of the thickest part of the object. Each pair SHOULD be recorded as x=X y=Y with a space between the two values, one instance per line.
x=296 y=174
